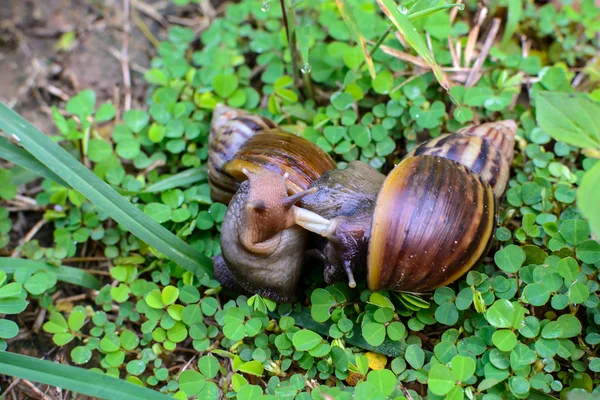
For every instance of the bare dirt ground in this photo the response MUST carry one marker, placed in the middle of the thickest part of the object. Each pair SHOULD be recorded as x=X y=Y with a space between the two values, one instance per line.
x=35 y=72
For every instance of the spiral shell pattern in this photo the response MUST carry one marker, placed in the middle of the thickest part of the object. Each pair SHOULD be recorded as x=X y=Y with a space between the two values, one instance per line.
x=281 y=152
x=433 y=221
x=230 y=129
x=486 y=149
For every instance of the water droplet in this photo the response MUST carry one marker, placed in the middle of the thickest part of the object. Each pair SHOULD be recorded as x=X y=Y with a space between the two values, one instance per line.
x=461 y=7
x=16 y=137
x=266 y=7
x=306 y=68
x=402 y=8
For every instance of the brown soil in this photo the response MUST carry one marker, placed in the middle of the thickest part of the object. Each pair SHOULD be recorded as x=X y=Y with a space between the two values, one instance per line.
x=36 y=74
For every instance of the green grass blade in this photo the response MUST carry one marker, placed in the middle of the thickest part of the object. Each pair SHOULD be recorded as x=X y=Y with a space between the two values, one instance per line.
x=414 y=16
x=101 y=194
x=515 y=10
x=403 y=24
x=348 y=16
x=74 y=276
x=181 y=179
x=78 y=380
x=17 y=155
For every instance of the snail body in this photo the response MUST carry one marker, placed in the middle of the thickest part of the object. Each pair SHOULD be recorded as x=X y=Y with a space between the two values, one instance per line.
x=425 y=224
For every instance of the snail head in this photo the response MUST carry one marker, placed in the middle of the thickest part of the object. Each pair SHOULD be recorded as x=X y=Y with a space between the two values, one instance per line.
x=268 y=208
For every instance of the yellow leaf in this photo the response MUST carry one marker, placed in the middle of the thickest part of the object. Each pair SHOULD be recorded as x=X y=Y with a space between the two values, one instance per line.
x=376 y=360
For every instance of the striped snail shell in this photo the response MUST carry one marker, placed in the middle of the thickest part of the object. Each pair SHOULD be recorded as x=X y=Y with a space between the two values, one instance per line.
x=230 y=128
x=434 y=215
x=241 y=140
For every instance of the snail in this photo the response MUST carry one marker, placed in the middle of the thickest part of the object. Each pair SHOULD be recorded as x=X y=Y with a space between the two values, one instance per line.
x=261 y=172
x=425 y=224
x=429 y=222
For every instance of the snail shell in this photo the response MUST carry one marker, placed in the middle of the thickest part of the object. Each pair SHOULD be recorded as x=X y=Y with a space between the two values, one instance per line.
x=230 y=129
x=281 y=152
x=433 y=221
x=486 y=149
x=241 y=140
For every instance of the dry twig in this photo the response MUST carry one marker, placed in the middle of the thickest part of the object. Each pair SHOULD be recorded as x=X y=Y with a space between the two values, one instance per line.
x=475 y=73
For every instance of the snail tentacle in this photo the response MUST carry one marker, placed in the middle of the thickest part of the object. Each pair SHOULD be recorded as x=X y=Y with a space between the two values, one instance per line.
x=313 y=222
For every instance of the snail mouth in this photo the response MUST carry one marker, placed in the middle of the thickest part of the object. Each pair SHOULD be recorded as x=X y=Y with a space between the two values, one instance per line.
x=313 y=222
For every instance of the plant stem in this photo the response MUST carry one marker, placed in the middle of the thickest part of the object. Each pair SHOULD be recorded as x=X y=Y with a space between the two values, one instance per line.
x=291 y=38
x=377 y=44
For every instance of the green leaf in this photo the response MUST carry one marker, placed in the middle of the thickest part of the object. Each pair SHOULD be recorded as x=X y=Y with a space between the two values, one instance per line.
x=501 y=314
x=169 y=295
x=103 y=196
x=81 y=354
x=589 y=251
x=374 y=333
x=570 y=326
x=462 y=367
x=209 y=366
x=440 y=380
x=12 y=305
x=504 y=340
x=8 y=329
x=415 y=356
x=305 y=340
x=76 y=319
x=191 y=382
x=414 y=39
x=382 y=379
x=225 y=84
x=536 y=294
x=99 y=150
x=252 y=367
x=105 y=112
x=574 y=231
x=136 y=120
x=234 y=331
x=519 y=385
x=510 y=258
x=588 y=195
x=74 y=276
x=82 y=104
x=321 y=301
x=569 y=118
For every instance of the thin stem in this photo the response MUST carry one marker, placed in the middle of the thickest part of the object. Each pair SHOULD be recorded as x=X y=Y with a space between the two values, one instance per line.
x=376 y=45
x=291 y=42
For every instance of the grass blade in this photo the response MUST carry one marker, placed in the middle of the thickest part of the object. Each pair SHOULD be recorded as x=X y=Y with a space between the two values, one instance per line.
x=17 y=155
x=78 y=380
x=74 y=276
x=403 y=24
x=413 y=16
x=515 y=9
x=101 y=194
x=348 y=16
x=184 y=178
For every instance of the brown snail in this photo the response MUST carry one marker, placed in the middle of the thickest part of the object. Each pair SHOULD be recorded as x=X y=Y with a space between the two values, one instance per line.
x=421 y=227
x=261 y=172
